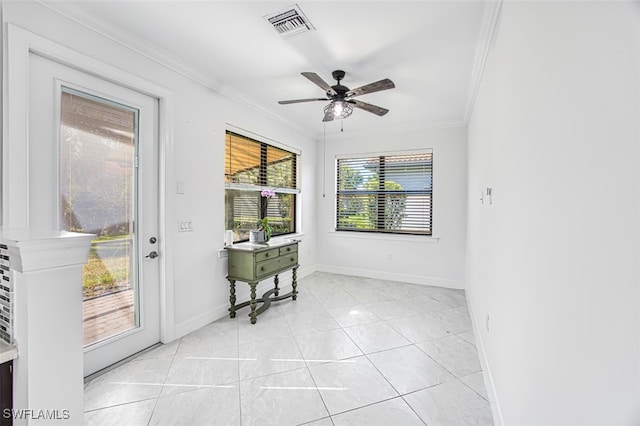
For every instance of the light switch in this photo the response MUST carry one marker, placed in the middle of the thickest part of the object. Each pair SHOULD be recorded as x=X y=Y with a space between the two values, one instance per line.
x=180 y=187
x=185 y=225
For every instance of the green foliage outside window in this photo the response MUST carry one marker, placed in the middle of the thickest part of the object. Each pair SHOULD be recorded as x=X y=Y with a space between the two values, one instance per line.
x=385 y=193
x=253 y=168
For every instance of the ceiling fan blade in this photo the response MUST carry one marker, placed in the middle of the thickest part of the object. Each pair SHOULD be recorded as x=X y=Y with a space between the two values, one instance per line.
x=318 y=81
x=295 y=101
x=368 y=107
x=372 y=87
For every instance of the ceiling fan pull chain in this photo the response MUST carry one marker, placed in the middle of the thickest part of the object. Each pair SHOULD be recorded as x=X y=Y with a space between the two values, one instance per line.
x=324 y=159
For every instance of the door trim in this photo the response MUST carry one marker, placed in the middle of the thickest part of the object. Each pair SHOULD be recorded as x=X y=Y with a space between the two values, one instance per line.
x=15 y=147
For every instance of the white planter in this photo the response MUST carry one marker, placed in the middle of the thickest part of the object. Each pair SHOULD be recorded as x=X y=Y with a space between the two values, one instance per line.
x=257 y=236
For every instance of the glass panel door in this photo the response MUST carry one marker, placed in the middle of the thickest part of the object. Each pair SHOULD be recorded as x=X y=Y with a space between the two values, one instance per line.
x=98 y=178
x=93 y=167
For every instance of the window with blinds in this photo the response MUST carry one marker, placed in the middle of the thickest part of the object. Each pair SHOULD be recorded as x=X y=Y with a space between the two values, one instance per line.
x=385 y=193
x=250 y=168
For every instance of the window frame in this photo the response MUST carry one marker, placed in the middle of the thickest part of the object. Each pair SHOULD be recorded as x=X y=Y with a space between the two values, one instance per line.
x=262 y=179
x=382 y=162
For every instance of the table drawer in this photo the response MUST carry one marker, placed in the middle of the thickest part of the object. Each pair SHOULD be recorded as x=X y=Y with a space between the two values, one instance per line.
x=271 y=266
x=288 y=260
x=267 y=255
x=288 y=249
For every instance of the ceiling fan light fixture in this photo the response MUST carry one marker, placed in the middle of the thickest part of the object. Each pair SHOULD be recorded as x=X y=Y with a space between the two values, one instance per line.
x=338 y=109
x=341 y=97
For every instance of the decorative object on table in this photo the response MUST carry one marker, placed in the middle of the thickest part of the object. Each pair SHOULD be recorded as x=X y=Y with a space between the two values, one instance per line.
x=257 y=236
x=228 y=237
x=266 y=228
x=264 y=231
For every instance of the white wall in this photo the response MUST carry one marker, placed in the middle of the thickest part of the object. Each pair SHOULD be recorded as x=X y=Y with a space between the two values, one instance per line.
x=200 y=287
x=554 y=259
x=418 y=259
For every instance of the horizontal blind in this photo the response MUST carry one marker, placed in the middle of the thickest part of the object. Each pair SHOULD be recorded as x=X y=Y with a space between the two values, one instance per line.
x=386 y=193
x=281 y=168
x=251 y=167
x=250 y=162
x=242 y=160
x=99 y=117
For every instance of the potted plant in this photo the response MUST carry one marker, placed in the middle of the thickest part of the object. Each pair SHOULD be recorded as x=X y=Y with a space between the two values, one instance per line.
x=263 y=234
x=266 y=228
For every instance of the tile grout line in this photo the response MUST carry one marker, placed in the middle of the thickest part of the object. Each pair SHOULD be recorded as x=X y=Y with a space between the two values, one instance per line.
x=376 y=368
x=122 y=404
x=308 y=364
x=400 y=395
x=173 y=359
x=238 y=367
x=309 y=371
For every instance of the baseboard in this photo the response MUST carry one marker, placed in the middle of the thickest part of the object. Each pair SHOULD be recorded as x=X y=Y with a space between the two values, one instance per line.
x=484 y=362
x=198 y=321
x=393 y=276
x=220 y=311
x=305 y=271
x=192 y=324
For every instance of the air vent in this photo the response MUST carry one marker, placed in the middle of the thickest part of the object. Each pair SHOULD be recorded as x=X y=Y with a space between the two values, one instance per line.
x=290 y=21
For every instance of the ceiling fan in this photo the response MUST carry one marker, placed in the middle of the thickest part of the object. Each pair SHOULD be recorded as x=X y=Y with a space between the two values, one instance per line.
x=341 y=105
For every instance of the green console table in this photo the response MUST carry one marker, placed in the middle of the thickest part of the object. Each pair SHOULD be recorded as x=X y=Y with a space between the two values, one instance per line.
x=252 y=263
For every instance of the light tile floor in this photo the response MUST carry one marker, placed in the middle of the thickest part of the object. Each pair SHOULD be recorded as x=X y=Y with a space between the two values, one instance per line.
x=349 y=351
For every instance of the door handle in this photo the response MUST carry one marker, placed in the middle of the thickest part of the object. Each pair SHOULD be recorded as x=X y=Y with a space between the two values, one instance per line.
x=152 y=255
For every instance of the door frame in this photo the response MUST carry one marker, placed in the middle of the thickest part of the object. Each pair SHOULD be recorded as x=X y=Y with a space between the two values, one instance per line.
x=15 y=144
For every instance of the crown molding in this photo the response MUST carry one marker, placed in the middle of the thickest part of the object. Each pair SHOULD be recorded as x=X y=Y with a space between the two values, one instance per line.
x=485 y=41
x=134 y=44
x=168 y=61
x=395 y=130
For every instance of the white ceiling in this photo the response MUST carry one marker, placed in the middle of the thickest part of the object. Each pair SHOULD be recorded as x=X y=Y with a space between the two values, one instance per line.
x=432 y=50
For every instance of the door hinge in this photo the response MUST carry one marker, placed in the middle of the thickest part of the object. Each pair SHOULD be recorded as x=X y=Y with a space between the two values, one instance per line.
x=136 y=161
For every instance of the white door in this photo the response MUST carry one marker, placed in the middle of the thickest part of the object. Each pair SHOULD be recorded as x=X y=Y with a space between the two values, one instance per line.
x=93 y=167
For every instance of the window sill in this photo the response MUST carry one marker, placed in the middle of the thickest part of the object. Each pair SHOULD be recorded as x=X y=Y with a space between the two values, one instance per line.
x=384 y=237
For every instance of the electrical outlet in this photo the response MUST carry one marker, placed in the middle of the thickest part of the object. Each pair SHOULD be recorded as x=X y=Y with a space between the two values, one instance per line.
x=489 y=192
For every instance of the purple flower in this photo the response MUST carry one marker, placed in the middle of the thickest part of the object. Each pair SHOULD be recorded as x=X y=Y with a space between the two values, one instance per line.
x=267 y=193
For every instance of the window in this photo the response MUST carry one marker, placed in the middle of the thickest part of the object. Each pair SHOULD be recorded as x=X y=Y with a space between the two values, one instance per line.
x=385 y=193
x=251 y=167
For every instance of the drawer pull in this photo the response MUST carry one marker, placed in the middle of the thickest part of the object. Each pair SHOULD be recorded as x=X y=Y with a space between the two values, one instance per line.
x=288 y=248
x=292 y=259
x=262 y=268
x=266 y=255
